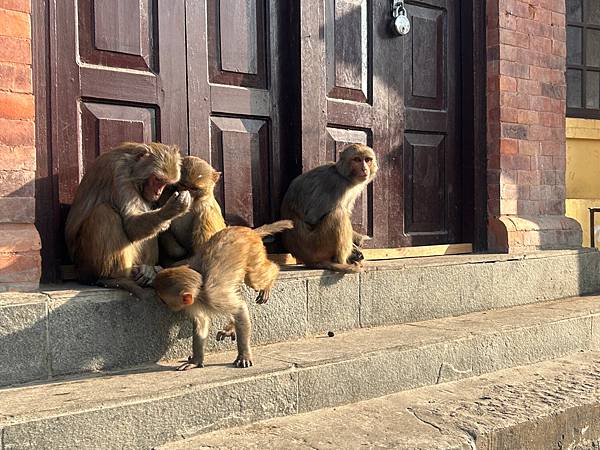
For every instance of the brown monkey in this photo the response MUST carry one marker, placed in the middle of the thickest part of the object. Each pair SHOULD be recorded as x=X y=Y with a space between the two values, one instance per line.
x=112 y=230
x=320 y=203
x=188 y=232
x=211 y=285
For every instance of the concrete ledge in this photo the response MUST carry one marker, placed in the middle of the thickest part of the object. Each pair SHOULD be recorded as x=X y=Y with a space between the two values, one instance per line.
x=154 y=405
x=550 y=405
x=60 y=331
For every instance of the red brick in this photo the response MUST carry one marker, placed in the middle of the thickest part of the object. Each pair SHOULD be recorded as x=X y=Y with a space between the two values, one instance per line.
x=547 y=75
x=518 y=9
x=510 y=192
x=15 y=50
x=548 y=177
x=559 y=34
x=508 y=84
x=540 y=192
x=16 y=5
x=528 y=117
x=17 y=210
x=531 y=87
x=552 y=148
x=550 y=119
x=18 y=268
x=19 y=238
x=535 y=28
x=17 y=183
x=509 y=146
x=544 y=133
x=15 y=77
x=559 y=48
x=14 y=133
x=515 y=162
x=528 y=177
x=514 y=131
x=559 y=162
x=529 y=147
x=528 y=208
x=15 y=24
x=510 y=115
x=515 y=38
x=542 y=162
x=514 y=100
x=16 y=106
x=17 y=158
x=513 y=69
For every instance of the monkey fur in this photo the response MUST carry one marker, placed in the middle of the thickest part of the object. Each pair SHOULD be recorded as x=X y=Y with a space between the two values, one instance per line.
x=320 y=203
x=191 y=230
x=111 y=230
x=210 y=285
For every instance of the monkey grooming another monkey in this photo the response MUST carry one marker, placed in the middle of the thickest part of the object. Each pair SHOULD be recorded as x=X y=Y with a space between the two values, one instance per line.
x=320 y=203
x=210 y=285
x=190 y=231
x=111 y=230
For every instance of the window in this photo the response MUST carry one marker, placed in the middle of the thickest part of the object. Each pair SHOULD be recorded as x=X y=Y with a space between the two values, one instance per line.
x=583 y=58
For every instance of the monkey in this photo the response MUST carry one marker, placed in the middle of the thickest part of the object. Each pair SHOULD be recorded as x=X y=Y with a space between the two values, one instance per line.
x=320 y=203
x=190 y=231
x=112 y=229
x=210 y=285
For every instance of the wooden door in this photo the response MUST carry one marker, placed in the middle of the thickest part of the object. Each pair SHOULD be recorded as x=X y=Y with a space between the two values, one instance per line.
x=236 y=80
x=117 y=70
x=361 y=83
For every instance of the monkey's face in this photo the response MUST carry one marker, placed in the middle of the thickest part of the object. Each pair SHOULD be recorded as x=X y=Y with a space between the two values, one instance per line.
x=358 y=163
x=153 y=187
x=177 y=301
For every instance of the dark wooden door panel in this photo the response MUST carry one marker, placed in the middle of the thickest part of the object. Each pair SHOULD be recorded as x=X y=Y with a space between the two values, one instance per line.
x=234 y=79
x=431 y=153
x=361 y=83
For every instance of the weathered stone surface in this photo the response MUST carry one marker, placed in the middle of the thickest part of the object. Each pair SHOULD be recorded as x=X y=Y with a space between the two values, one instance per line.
x=554 y=404
x=23 y=338
x=131 y=411
x=333 y=302
x=97 y=329
x=151 y=406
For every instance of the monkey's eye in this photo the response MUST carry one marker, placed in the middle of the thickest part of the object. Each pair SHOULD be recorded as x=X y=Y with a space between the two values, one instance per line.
x=357 y=159
x=368 y=160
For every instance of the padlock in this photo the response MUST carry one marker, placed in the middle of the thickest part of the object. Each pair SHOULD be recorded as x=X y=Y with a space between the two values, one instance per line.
x=402 y=23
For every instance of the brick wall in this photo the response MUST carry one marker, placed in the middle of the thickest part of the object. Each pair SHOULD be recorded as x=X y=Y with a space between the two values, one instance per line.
x=526 y=126
x=19 y=240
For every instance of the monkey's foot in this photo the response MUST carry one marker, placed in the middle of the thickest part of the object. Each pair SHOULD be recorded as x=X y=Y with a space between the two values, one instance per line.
x=263 y=296
x=144 y=275
x=243 y=361
x=224 y=334
x=190 y=365
x=356 y=255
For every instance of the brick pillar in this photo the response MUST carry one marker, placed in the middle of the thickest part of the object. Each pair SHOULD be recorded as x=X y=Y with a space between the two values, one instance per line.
x=19 y=240
x=526 y=126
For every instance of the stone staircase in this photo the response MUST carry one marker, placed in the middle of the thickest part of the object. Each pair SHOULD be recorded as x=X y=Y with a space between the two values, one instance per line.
x=93 y=368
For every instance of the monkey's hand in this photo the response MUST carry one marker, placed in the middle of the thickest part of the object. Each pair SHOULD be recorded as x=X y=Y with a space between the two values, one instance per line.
x=144 y=275
x=263 y=296
x=360 y=239
x=178 y=204
x=227 y=331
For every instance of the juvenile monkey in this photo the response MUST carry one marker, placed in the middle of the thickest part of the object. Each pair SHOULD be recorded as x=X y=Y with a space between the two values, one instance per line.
x=204 y=218
x=112 y=228
x=210 y=285
x=320 y=203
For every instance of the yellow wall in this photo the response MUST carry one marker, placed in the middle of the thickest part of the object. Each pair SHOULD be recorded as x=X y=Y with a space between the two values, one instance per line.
x=583 y=173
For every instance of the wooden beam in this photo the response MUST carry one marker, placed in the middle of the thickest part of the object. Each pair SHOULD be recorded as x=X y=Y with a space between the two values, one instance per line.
x=375 y=254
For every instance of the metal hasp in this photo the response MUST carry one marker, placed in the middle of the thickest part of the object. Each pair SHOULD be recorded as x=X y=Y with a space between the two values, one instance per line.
x=401 y=23
x=593 y=210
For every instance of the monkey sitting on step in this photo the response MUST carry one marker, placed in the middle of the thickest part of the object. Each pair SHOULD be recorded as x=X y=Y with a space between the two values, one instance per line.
x=211 y=285
x=320 y=203
x=189 y=232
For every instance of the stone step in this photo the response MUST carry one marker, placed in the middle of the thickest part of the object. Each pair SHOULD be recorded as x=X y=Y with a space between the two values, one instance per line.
x=154 y=404
x=549 y=405
x=69 y=331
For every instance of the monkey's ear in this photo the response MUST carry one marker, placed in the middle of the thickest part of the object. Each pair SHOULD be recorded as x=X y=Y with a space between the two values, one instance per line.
x=187 y=298
x=143 y=152
x=216 y=176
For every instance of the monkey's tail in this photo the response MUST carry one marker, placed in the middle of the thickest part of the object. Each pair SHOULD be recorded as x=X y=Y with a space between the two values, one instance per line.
x=274 y=228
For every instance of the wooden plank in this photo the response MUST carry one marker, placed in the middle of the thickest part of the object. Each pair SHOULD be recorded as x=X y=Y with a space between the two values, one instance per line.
x=374 y=254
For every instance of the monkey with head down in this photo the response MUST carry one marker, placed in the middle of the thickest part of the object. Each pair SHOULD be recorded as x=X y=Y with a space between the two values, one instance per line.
x=112 y=227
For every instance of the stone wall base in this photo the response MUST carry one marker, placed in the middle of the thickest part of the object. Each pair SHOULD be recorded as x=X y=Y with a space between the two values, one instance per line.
x=515 y=234
x=20 y=259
